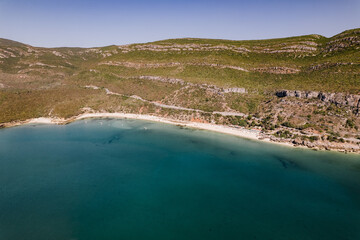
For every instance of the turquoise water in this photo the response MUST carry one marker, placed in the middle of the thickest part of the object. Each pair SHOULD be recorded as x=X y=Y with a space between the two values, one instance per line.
x=125 y=179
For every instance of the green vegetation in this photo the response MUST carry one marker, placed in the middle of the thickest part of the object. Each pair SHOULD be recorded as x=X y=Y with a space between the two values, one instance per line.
x=239 y=121
x=288 y=124
x=283 y=134
x=350 y=123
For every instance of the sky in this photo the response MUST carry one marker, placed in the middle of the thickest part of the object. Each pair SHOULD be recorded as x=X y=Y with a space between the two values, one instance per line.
x=90 y=23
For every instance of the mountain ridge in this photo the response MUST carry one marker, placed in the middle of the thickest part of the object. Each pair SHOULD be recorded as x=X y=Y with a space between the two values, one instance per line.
x=2 y=40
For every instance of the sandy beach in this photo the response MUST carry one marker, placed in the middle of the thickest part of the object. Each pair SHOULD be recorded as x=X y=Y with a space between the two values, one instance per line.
x=242 y=132
x=236 y=131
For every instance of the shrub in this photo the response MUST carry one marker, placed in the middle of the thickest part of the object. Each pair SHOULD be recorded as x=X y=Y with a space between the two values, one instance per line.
x=283 y=134
x=350 y=123
x=332 y=138
x=313 y=138
x=287 y=124
x=280 y=118
x=321 y=112
x=242 y=123
x=306 y=125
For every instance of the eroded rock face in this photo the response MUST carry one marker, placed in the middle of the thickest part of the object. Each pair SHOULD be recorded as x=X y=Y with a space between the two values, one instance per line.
x=282 y=93
x=164 y=79
x=322 y=66
x=339 y=99
x=342 y=43
x=277 y=70
x=235 y=90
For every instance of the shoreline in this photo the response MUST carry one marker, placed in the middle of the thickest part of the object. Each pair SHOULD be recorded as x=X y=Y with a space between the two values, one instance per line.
x=240 y=132
x=235 y=131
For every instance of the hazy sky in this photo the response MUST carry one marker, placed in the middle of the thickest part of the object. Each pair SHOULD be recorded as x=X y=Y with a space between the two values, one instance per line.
x=98 y=23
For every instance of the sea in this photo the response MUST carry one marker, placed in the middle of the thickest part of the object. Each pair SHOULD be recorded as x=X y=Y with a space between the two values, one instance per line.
x=109 y=179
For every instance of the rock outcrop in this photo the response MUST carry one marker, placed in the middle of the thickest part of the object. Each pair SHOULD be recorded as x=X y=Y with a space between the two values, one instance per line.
x=277 y=70
x=164 y=79
x=234 y=90
x=339 y=99
x=323 y=66
x=341 y=44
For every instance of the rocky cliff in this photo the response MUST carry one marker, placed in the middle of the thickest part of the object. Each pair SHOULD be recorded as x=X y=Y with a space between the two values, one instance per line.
x=339 y=99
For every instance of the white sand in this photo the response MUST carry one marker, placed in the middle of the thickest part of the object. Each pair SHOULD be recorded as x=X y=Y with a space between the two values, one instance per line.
x=238 y=131
x=241 y=132
x=45 y=120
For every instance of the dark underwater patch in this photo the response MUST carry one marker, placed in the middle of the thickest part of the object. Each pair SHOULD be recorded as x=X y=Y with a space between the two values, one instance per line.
x=286 y=162
x=114 y=139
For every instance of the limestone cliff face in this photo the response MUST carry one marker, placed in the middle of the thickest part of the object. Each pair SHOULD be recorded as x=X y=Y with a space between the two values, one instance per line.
x=341 y=43
x=339 y=99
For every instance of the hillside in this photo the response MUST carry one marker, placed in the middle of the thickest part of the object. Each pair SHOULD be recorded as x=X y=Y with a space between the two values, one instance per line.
x=302 y=89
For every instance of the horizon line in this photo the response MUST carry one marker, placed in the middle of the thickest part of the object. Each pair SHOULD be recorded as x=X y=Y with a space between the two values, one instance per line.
x=190 y=38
